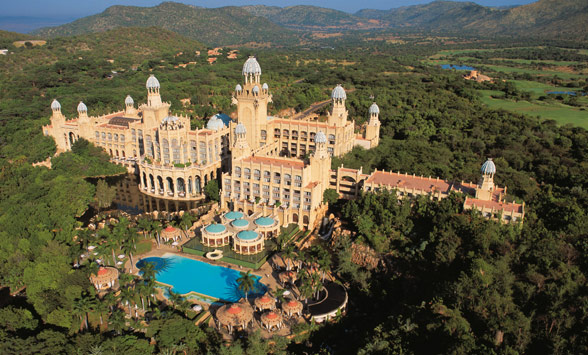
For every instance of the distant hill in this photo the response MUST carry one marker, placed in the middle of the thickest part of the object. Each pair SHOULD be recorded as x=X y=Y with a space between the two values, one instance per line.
x=125 y=46
x=549 y=18
x=312 y=18
x=225 y=25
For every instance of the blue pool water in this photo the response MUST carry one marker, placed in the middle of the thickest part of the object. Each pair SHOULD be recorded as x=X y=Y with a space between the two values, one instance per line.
x=186 y=275
x=457 y=67
x=573 y=93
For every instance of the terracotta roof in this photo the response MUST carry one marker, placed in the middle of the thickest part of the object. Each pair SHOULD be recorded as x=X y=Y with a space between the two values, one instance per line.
x=170 y=229
x=349 y=170
x=495 y=205
x=234 y=309
x=311 y=185
x=408 y=181
x=288 y=163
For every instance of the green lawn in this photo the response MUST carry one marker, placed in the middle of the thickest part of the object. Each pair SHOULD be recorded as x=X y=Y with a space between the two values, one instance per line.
x=505 y=69
x=554 y=111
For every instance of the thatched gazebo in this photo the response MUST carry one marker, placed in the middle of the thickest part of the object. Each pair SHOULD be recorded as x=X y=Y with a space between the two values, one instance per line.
x=171 y=233
x=265 y=302
x=234 y=315
x=292 y=307
x=287 y=276
x=105 y=278
x=271 y=320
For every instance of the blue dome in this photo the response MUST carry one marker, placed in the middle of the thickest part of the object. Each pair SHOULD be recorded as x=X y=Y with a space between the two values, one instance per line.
x=55 y=105
x=238 y=88
x=215 y=228
x=488 y=167
x=240 y=129
x=82 y=107
x=374 y=108
x=264 y=221
x=240 y=223
x=338 y=93
x=215 y=123
x=320 y=137
x=234 y=215
x=256 y=89
x=152 y=82
x=129 y=100
x=247 y=235
x=264 y=86
x=251 y=66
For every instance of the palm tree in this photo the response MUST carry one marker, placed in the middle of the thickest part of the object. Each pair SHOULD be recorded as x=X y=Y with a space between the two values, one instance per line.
x=110 y=300
x=279 y=294
x=145 y=225
x=186 y=222
x=148 y=271
x=81 y=307
x=288 y=254
x=117 y=321
x=127 y=297
x=157 y=228
x=246 y=282
x=128 y=250
x=175 y=298
x=101 y=308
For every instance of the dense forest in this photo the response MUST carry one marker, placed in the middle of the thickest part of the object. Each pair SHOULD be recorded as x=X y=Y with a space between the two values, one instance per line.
x=452 y=281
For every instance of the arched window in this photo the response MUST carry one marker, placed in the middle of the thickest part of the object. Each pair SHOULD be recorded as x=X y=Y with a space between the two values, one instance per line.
x=122 y=138
x=193 y=151
x=277 y=133
x=165 y=149
x=109 y=136
x=263 y=135
x=285 y=132
x=176 y=150
x=331 y=139
x=103 y=135
x=97 y=135
x=116 y=137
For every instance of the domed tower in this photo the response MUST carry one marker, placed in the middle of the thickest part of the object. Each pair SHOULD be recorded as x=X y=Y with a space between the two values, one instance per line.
x=82 y=111
x=155 y=110
x=241 y=148
x=320 y=161
x=153 y=96
x=372 y=131
x=252 y=99
x=130 y=109
x=57 y=117
x=338 y=115
x=486 y=184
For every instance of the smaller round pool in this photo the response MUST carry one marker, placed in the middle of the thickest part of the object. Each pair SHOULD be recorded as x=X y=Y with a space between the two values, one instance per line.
x=264 y=221
x=247 y=235
x=158 y=263
x=240 y=223
x=215 y=228
x=233 y=215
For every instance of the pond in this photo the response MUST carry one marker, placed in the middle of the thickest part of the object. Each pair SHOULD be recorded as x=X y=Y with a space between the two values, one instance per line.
x=187 y=275
x=457 y=67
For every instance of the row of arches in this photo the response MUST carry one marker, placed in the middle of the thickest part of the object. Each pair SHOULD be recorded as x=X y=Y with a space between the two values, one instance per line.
x=175 y=187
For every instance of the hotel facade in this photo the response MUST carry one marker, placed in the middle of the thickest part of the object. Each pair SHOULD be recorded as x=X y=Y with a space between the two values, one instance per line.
x=265 y=165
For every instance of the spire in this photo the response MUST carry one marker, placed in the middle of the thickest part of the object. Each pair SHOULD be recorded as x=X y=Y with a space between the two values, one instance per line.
x=82 y=110
x=374 y=112
x=320 y=140
x=153 y=96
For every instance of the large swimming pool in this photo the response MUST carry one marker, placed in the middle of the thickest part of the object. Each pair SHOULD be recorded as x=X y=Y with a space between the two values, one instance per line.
x=188 y=275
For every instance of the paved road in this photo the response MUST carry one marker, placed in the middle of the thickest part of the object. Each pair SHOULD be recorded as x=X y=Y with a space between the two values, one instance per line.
x=313 y=108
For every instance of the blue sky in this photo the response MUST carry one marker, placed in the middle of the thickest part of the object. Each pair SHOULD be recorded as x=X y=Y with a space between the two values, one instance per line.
x=80 y=8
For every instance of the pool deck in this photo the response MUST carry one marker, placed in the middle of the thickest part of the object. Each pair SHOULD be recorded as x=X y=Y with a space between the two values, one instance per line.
x=267 y=275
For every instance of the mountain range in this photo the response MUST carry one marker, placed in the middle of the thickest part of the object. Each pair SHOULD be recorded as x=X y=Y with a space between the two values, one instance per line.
x=270 y=25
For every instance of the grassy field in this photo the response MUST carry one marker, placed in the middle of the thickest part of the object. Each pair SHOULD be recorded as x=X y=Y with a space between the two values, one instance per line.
x=554 y=111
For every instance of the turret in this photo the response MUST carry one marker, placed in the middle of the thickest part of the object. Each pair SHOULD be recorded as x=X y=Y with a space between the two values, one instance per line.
x=130 y=106
x=372 y=131
x=241 y=147
x=252 y=99
x=57 y=116
x=338 y=114
x=485 y=186
x=153 y=96
x=320 y=161
x=82 y=111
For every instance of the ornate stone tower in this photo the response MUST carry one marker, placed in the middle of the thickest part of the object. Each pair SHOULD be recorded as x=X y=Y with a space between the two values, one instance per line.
x=85 y=127
x=155 y=110
x=57 y=120
x=486 y=184
x=320 y=161
x=241 y=148
x=130 y=109
x=252 y=100
x=338 y=115
x=372 y=131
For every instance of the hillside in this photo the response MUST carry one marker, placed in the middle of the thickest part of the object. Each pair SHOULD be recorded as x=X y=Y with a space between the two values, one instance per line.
x=124 y=46
x=312 y=18
x=219 y=26
x=546 y=18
